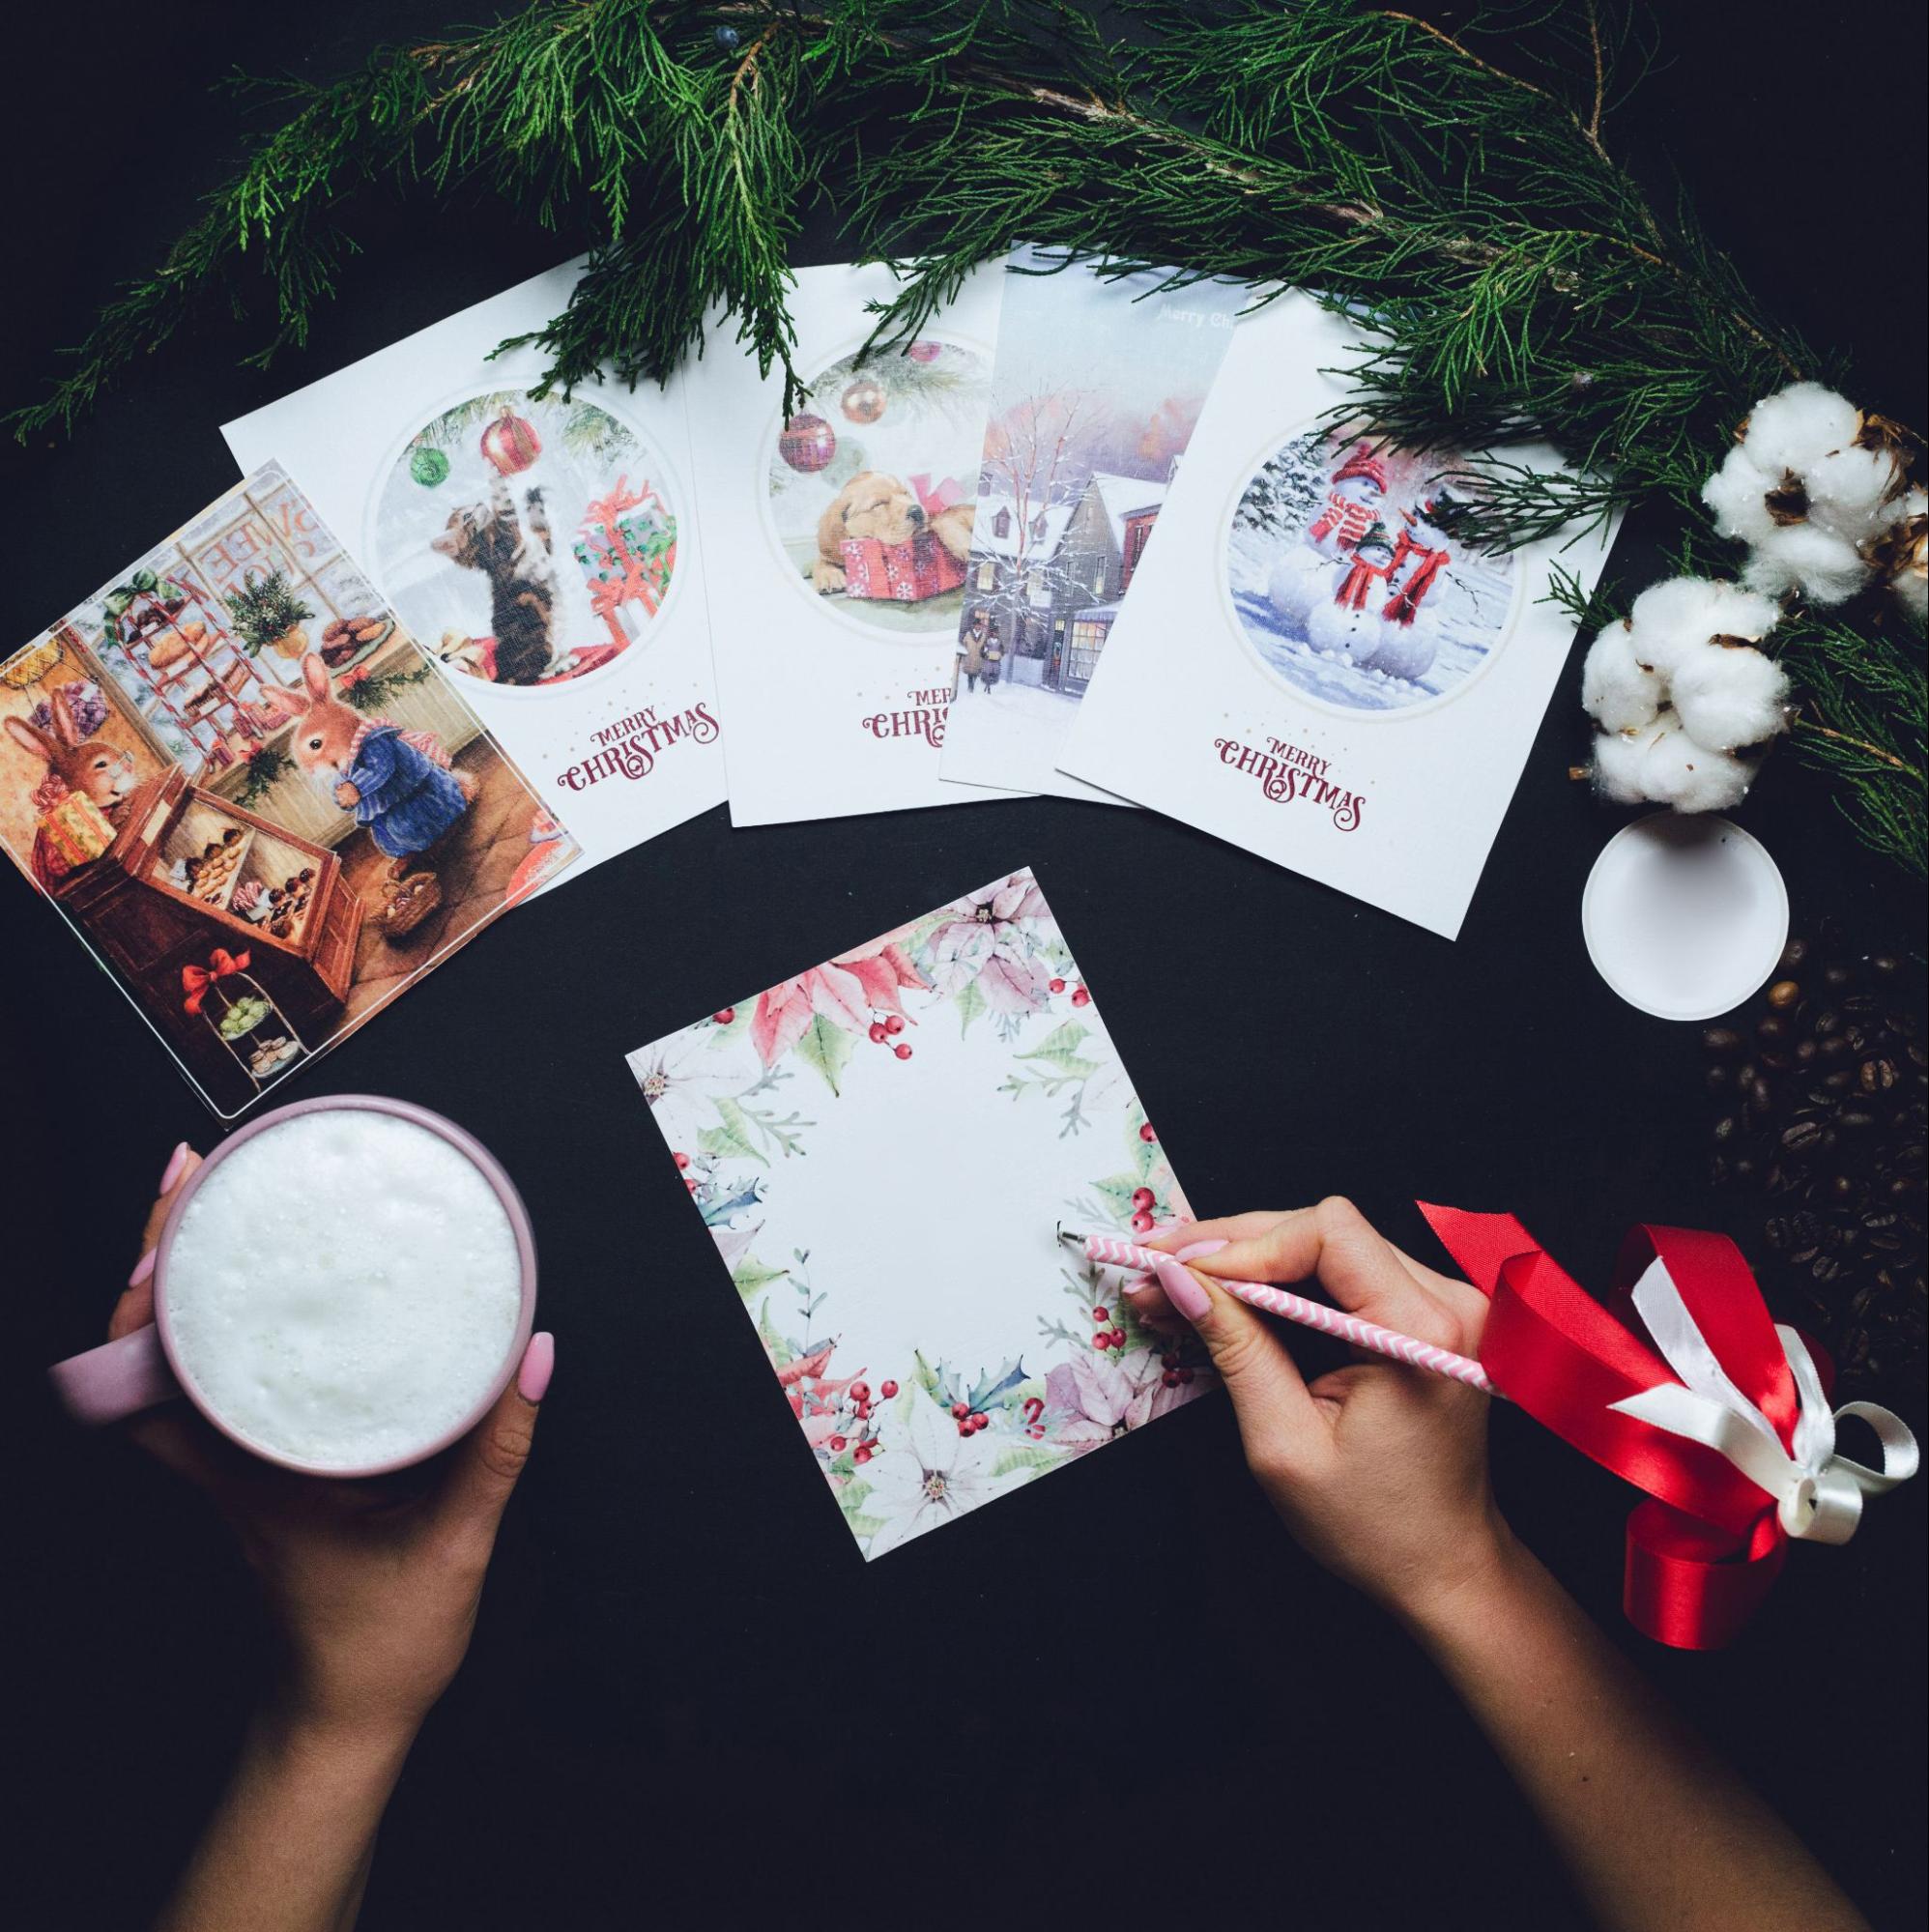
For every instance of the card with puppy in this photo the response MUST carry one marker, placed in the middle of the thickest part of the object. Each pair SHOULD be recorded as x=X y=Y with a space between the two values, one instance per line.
x=542 y=547
x=837 y=538
x=249 y=789
x=1314 y=663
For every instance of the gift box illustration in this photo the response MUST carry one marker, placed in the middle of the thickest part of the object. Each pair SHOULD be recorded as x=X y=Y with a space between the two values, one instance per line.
x=626 y=547
x=910 y=571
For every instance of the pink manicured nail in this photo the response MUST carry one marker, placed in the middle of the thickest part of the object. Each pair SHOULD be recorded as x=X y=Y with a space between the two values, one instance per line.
x=1185 y=1294
x=171 y=1173
x=143 y=1268
x=538 y=1364
x=1199 y=1248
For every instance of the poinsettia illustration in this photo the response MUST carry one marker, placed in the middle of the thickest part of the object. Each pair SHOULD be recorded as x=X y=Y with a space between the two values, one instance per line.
x=984 y=941
x=930 y=1475
x=847 y=990
x=1093 y=1398
x=678 y=1070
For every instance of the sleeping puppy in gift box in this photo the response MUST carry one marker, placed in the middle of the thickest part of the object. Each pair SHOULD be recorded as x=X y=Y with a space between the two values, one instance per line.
x=886 y=511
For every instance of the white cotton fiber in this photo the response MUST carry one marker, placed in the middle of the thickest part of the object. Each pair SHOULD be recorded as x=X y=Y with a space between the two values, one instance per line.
x=1795 y=426
x=1729 y=694
x=1826 y=568
x=1909 y=583
x=1738 y=495
x=1847 y=491
x=1664 y=765
x=1618 y=691
x=1671 y=618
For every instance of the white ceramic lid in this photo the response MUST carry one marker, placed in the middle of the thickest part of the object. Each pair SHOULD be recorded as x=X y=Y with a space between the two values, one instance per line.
x=1685 y=914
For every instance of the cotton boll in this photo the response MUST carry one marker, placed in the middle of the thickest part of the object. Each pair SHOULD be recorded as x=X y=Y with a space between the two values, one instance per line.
x=1672 y=619
x=1664 y=765
x=1729 y=694
x=1618 y=691
x=1738 y=495
x=1901 y=553
x=1796 y=426
x=1620 y=764
x=1847 y=491
x=1826 y=568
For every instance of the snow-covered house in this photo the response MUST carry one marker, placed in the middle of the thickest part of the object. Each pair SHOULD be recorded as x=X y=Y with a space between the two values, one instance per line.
x=1050 y=582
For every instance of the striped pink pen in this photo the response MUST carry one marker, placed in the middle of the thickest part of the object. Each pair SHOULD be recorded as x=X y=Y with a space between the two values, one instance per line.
x=1111 y=1252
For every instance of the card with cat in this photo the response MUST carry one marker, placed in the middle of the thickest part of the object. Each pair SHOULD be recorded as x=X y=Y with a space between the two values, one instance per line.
x=252 y=793
x=542 y=547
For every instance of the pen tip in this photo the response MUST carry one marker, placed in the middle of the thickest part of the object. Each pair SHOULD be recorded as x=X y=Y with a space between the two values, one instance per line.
x=1067 y=1235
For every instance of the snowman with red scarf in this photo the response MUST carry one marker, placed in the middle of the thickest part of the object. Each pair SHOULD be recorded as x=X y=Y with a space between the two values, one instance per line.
x=1410 y=629
x=1312 y=571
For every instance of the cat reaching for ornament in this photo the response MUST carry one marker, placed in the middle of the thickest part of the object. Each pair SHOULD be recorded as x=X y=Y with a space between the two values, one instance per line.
x=515 y=552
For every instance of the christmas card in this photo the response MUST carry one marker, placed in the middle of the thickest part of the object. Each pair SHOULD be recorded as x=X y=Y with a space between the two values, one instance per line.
x=1311 y=665
x=542 y=548
x=1096 y=385
x=882 y=1148
x=249 y=790
x=837 y=537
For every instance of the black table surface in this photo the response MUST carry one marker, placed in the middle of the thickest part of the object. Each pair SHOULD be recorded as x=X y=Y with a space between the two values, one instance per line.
x=1124 y=1693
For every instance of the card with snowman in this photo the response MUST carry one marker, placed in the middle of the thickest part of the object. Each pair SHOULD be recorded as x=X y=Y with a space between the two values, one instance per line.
x=542 y=545
x=239 y=780
x=1311 y=665
x=837 y=536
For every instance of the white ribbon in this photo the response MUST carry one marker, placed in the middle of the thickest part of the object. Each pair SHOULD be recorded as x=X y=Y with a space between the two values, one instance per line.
x=1818 y=1494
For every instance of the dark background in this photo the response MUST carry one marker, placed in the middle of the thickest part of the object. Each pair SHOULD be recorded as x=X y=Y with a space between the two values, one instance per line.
x=1121 y=1694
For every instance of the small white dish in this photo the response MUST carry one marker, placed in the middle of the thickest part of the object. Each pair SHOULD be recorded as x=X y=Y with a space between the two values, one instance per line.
x=1685 y=914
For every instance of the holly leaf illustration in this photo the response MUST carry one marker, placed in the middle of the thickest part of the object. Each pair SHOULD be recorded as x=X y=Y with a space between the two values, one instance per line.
x=996 y=1388
x=970 y=1003
x=1034 y=1458
x=729 y=1138
x=926 y=1378
x=826 y=1047
x=1116 y=1192
x=750 y=1273
x=1059 y=1049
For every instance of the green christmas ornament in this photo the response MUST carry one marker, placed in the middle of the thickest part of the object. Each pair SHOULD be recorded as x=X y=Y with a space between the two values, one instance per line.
x=428 y=465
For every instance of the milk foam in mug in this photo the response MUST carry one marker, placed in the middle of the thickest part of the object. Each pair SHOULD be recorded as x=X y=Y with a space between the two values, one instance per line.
x=343 y=1287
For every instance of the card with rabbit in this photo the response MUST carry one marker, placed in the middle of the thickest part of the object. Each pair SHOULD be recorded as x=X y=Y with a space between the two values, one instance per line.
x=251 y=792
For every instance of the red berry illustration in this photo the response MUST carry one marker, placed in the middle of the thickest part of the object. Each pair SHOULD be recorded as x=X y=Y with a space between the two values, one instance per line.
x=1146 y=1133
x=1168 y=1361
x=893 y=1024
x=1080 y=996
x=1102 y=1314
x=691 y=1186
x=878 y=1032
x=1184 y=1375
x=959 y=1412
x=903 y=1052
x=1143 y=1223
x=682 y=1161
x=1102 y=1341
x=1118 y=1338
x=836 y=1443
x=1141 y=1200
x=860 y=1392
x=1056 y=985
x=862 y=1453
x=724 y=1017
x=889 y=1391
x=1170 y=1380
x=981 y=1420
x=964 y=1428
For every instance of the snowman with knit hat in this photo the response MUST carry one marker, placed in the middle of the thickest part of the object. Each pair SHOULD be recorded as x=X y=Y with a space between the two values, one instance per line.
x=1313 y=571
x=1410 y=629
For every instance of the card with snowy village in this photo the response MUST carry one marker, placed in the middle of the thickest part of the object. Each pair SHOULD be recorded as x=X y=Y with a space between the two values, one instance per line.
x=837 y=537
x=840 y=1133
x=1309 y=666
x=252 y=794
x=542 y=548
x=1097 y=381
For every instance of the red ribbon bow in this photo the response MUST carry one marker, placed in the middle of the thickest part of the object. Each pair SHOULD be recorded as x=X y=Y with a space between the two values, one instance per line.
x=1705 y=1547
x=197 y=980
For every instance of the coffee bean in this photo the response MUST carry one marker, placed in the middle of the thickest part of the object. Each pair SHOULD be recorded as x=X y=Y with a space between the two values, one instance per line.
x=1885 y=965
x=1804 y=1052
x=1795 y=956
x=1877 y=1076
x=1726 y=1129
x=1831 y=1046
x=1855 y=1120
x=1799 y=1136
x=1761 y=1095
x=1826 y=1021
x=1784 y=993
x=1716 y=1078
x=1721 y=1041
x=1837 y=976
x=1773 y=1030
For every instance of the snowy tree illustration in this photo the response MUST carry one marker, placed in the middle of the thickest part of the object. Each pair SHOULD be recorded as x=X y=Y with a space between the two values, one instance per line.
x=1282 y=496
x=1032 y=457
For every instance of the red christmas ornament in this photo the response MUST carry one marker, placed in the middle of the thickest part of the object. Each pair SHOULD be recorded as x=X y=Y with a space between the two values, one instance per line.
x=807 y=443
x=863 y=401
x=511 y=442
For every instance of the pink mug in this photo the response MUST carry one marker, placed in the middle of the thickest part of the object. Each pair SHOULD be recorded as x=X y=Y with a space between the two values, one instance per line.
x=121 y=1378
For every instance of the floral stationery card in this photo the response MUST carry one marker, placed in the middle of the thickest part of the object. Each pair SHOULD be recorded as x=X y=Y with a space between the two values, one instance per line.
x=250 y=793
x=836 y=541
x=1311 y=665
x=883 y=1148
x=541 y=547
x=1097 y=384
